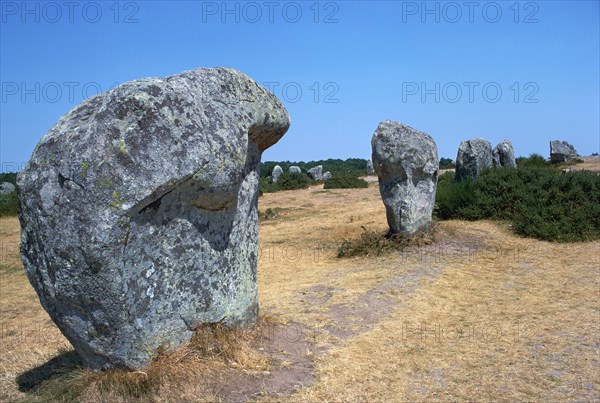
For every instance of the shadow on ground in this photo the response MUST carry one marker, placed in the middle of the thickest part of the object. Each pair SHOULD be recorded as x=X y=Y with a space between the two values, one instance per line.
x=60 y=365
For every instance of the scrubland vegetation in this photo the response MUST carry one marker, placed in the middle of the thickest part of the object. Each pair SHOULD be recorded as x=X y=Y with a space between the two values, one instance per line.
x=8 y=202
x=345 y=181
x=537 y=198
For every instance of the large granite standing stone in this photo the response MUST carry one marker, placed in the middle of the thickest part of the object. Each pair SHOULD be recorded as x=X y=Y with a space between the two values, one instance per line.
x=473 y=157
x=406 y=161
x=561 y=151
x=139 y=212
x=6 y=188
x=315 y=173
x=503 y=155
x=295 y=169
x=277 y=171
x=370 y=169
x=326 y=176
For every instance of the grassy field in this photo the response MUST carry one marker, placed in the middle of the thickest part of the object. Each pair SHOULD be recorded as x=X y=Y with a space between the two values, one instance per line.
x=479 y=314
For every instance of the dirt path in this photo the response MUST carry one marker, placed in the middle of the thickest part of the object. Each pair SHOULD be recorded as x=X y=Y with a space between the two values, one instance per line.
x=293 y=347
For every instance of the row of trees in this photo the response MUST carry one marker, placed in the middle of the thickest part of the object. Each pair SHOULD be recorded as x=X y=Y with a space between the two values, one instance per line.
x=356 y=166
x=335 y=166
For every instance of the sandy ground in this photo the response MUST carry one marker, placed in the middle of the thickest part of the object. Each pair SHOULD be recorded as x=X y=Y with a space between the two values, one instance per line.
x=591 y=163
x=480 y=314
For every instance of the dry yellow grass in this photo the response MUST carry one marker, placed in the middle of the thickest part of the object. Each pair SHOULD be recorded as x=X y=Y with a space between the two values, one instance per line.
x=491 y=327
x=479 y=315
x=591 y=163
x=27 y=335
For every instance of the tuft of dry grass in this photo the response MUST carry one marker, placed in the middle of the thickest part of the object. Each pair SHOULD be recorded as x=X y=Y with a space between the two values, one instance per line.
x=213 y=349
x=375 y=243
x=270 y=214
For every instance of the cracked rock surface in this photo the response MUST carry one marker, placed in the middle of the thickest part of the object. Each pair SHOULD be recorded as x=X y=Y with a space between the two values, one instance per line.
x=406 y=162
x=473 y=156
x=561 y=151
x=139 y=212
x=503 y=155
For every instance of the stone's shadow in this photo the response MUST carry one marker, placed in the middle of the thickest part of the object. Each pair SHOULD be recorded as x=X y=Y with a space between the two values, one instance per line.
x=63 y=363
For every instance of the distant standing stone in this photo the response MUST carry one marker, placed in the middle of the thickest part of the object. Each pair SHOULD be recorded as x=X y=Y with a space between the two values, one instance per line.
x=327 y=176
x=295 y=169
x=6 y=188
x=473 y=157
x=406 y=161
x=370 y=170
x=277 y=171
x=316 y=173
x=561 y=151
x=139 y=214
x=504 y=155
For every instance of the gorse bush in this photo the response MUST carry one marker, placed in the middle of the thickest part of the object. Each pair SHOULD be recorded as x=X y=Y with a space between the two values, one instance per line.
x=9 y=177
x=287 y=181
x=446 y=163
x=452 y=197
x=291 y=181
x=537 y=161
x=9 y=206
x=266 y=186
x=564 y=207
x=345 y=181
x=540 y=202
x=533 y=161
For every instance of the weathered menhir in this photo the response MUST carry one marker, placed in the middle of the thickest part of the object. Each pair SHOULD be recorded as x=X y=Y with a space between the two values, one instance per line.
x=139 y=212
x=406 y=161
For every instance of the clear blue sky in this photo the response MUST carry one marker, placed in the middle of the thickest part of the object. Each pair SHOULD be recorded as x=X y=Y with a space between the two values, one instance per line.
x=436 y=66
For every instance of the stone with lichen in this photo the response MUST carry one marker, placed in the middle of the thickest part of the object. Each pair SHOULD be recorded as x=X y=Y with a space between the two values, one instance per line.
x=139 y=212
x=406 y=162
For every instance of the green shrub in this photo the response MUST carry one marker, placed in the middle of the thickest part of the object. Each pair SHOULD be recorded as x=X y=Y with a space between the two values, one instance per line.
x=345 y=181
x=291 y=181
x=9 y=205
x=452 y=197
x=563 y=207
x=533 y=161
x=446 y=163
x=287 y=181
x=9 y=177
x=266 y=186
x=541 y=202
